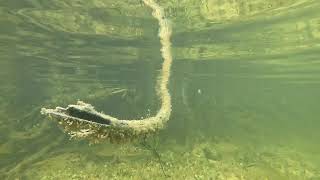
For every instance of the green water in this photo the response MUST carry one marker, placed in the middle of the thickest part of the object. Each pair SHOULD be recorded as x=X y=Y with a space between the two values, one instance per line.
x=244 y=85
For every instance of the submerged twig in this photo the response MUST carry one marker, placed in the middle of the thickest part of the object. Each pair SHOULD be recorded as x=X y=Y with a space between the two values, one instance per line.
x=83 y=121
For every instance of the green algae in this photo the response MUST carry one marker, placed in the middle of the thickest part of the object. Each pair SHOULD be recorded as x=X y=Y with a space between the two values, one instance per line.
x=237 y=162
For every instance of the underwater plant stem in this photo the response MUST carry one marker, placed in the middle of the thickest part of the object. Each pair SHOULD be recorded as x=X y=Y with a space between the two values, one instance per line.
x=155 y=152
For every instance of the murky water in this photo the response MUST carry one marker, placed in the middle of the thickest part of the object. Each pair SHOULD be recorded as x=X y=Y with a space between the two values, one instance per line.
x=244 y=85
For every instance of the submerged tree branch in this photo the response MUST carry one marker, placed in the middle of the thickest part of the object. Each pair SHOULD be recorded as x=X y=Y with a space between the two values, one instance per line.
x=83 y=121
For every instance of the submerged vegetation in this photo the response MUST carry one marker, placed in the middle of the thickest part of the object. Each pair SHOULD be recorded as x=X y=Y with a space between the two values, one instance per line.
x=244 y=88
x=236 y=162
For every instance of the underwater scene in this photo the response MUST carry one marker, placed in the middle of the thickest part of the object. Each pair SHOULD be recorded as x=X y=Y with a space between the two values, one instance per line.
x=160 y=89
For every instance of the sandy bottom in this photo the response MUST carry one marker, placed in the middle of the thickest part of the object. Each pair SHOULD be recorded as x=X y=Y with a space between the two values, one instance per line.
x=210 y=159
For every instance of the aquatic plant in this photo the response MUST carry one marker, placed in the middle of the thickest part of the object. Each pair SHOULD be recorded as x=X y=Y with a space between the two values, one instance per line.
x=150 y=147
x=83 y=121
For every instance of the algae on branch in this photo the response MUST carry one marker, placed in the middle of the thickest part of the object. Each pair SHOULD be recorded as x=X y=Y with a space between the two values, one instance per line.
x=83 y=121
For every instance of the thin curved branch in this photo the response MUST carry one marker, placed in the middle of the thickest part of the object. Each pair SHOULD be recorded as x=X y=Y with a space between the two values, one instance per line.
x=81 y=120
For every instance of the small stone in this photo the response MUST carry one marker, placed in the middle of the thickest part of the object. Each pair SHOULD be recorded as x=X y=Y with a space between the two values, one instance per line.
x=211 y=154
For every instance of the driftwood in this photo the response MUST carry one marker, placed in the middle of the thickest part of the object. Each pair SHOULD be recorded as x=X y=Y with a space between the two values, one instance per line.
x=83 y=121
